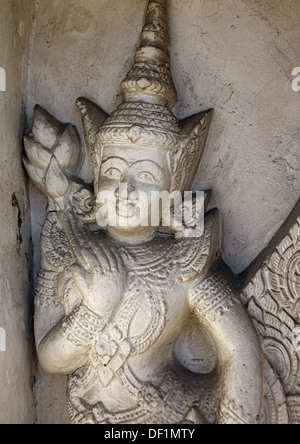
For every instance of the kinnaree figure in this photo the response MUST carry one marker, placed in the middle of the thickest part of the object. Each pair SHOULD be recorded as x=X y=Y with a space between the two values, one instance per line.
x=144 y=319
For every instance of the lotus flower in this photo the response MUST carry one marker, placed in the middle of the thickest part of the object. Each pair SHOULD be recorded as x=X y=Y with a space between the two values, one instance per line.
x=53 y=152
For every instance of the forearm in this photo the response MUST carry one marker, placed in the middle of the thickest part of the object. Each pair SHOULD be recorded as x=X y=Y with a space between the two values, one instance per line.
x=67 y=346
x=240 y=355
x=241 y=362
x=242 y=382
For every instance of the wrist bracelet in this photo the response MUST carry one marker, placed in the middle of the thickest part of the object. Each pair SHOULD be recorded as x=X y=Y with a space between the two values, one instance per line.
x=82 y=326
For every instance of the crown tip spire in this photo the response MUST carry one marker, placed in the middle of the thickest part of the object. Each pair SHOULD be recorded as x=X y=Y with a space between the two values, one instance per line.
x=145 y=115
x=150 y=78
x=156 y=28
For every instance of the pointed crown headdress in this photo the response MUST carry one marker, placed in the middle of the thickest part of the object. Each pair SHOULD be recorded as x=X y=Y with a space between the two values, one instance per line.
x=144 y=118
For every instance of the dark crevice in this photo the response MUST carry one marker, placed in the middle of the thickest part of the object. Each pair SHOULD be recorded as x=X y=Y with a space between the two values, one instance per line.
x=15 y=204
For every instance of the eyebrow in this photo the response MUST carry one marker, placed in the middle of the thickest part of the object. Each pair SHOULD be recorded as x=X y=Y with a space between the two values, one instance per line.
x=147 y=161
x=130 y=164
x=114 y=158
x=141 y=164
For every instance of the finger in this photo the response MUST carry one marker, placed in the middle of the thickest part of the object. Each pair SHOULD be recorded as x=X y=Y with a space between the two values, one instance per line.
x=90 y=259
x=80 y=278
x=98 y=263
x=86 y=259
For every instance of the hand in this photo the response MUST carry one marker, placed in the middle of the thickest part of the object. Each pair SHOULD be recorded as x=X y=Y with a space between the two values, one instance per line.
x=100 y=286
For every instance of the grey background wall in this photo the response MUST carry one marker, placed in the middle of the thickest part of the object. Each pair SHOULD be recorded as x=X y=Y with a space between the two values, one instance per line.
x=16 y=363
x=236 y=56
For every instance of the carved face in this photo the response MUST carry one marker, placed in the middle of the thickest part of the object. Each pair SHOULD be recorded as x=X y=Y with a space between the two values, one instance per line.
x=131 y=175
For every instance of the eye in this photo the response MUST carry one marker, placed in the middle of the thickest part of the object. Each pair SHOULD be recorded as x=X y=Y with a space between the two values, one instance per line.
x=147 y=177
x=113 y=173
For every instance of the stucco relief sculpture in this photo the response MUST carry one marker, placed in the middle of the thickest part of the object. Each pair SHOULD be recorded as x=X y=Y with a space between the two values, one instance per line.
x=145 y=319
x=273 y=301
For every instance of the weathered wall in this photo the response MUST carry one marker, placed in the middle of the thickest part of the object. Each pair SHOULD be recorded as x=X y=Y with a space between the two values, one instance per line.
x=16 y=363
x=236 y=56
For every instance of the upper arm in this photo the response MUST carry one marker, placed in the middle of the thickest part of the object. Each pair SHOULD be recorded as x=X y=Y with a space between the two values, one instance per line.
x=217 y=305
x=48 y=310
x=55 y=297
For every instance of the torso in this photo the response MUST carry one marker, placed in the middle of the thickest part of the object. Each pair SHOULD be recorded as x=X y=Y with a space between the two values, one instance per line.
x=141 y=370
x=135 y=354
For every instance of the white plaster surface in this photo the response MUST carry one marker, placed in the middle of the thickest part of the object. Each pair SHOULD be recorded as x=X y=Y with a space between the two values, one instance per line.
x=16 y=359
x=236 y=56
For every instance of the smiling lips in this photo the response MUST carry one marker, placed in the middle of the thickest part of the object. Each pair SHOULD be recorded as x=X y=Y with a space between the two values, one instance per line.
x=127 y=207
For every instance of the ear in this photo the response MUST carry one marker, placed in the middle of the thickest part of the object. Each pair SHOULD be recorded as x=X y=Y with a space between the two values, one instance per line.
x=194 y=131
x=93 y=118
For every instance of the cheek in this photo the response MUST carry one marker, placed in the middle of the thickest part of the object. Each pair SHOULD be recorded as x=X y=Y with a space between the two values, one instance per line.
x=166 y=183
x=106 y=184
x=167 y=179
x=163 y=185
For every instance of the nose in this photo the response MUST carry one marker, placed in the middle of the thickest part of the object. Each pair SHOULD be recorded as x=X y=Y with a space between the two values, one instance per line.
x=130 y=187
x=129 y=180
x=125 y=188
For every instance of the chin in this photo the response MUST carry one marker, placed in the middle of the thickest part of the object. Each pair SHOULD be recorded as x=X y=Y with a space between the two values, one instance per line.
x=129 y=229
x=130 y=233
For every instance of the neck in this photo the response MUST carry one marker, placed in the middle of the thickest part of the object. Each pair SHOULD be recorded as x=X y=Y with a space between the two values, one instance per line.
x=138 y=237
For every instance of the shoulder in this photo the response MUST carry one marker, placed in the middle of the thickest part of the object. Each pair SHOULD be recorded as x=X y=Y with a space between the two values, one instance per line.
x=198 y=254
x=214 y=293
x=55 y=244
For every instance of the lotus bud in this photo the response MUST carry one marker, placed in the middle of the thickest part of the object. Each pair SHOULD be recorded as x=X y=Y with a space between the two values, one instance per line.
x=56 y=182
x=36 y=153
x=67 y=151
x=35 y=174
x=46 y=128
